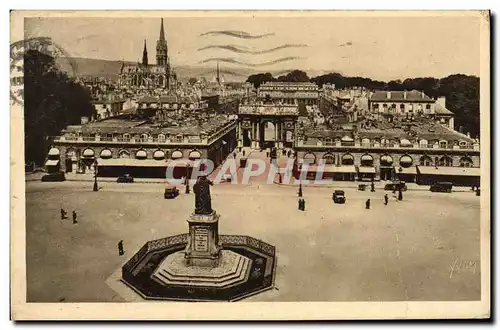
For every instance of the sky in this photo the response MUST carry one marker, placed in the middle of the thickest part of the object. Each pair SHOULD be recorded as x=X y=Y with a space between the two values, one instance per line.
x=382 y=48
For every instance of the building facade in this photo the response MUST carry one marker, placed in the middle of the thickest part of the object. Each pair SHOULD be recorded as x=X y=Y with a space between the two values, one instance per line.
x=410 y=103
x=389 y=153
x=292 y=93
x=136 y=147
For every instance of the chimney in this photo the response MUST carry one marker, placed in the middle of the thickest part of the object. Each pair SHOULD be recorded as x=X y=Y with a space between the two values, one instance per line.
x=388 y=95
x=441 y=101
x=404 y=95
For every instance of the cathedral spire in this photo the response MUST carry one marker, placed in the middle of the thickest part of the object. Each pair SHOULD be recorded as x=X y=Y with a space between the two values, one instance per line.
x=145 y=55
x=162 y=31
x=162 y=48
x=218 y=74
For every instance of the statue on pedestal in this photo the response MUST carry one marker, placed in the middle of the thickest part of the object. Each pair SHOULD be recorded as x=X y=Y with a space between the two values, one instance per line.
x=203 y=201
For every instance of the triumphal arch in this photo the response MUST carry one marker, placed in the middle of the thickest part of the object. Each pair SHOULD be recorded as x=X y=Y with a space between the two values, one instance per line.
x=267 y=125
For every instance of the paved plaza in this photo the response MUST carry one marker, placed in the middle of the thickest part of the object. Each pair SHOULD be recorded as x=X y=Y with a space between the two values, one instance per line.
x=426 y=247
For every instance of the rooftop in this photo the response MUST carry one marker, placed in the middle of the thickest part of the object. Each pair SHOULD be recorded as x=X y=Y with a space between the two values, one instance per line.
x=440 y=110
x=168 y=99
x=399 y=96
x=135 y=126
x=418 y=130
x=282 y=83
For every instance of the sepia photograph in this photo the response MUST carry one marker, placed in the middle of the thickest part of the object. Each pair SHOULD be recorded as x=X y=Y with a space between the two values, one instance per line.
x=279 y=165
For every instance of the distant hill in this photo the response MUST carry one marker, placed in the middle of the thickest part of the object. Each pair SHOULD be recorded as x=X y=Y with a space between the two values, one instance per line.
x=83 y=67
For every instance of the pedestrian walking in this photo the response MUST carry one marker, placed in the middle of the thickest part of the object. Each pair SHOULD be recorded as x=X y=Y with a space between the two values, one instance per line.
x=243 y=152
x=367 y=204
x=400 y=195
x=187 y=188
x=63 y=214
x=386 y=199
x=373 y=187
x=288 y=154
x=74 y=217
x=300 y=190
x=300 y=204
x=303 y=204
x=120 y=248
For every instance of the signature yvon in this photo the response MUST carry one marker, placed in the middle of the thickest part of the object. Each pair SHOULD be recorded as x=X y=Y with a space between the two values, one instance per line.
x=463 y=265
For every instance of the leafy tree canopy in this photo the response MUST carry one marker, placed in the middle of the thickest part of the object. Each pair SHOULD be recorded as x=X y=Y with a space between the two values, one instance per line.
x=52 y=101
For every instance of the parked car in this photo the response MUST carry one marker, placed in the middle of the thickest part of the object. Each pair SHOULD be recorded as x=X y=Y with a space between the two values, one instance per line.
x=442 y=187
x=338 y=197
x=54 y=177
x=396 y=185
x=127 y=178
x=226 y=178
x=171 y=192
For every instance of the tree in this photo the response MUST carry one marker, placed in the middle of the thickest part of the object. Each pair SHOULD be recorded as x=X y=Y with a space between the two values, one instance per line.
x=294 y=76
x=52 y=101
x=260 y=78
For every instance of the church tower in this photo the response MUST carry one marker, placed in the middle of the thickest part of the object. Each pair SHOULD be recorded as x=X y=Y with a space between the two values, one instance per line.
x=162 y=48
x=145 y=55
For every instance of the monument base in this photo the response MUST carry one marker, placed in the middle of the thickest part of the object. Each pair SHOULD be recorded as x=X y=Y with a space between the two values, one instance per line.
x=232 y=269
x=203 y=248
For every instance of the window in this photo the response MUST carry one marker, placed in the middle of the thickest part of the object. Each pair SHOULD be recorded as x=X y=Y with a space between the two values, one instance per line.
x=445 y=161
x=425 y=161
x=402 y=106
x=443 y=144
x=366 y=160
x=179 y=138
x=427 y=106
x=464 y=145
x=423 y=143
x=405 y=161
x=347 y=159
x=329 y=159
x=161 y=138
x=466 y=162
x=386 y=161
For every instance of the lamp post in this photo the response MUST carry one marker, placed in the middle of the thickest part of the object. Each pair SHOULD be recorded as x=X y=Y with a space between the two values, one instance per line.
x=96 y=188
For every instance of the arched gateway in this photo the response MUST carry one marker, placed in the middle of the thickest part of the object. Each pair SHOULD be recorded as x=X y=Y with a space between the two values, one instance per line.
x=267 y=125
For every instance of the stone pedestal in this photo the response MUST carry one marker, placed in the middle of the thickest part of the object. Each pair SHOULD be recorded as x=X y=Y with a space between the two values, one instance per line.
x=203 y=248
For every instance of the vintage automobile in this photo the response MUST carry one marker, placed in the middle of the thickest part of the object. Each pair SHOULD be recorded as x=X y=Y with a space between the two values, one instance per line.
x=171 y=192
x=226 y=178
x=338 y=197
x=396 y=186
x=362 y=187
x=442 y=187
x=54 y=177
x=127 y=178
